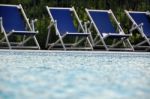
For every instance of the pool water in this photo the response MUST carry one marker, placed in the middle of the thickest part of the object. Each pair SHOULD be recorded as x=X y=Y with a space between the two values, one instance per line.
x=74 y=75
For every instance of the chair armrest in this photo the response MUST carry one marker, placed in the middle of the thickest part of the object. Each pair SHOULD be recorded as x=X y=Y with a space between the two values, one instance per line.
x=33 y=24
x=86 y=23
x=148 y=13
x=134 y=27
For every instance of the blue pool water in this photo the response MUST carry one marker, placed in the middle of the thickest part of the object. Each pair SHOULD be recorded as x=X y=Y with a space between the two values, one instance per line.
x=74 y=75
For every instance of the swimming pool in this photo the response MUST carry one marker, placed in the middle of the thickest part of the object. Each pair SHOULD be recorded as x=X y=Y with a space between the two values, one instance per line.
x=74 y=75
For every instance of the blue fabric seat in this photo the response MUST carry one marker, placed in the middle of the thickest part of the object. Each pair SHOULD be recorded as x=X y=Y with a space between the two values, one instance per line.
x=14 y=22
x=63 y=21
x=12 y=19
x=102 y=22
x=144 y=19
x=141 y=22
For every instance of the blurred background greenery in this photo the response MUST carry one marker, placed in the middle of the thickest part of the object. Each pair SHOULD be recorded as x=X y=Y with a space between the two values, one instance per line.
x=36 y=9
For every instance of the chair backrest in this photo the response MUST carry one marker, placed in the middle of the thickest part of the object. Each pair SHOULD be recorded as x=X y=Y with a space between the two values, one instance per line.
x=12 y=18
x=102 y=21
x=142 y=18
x=64 y=18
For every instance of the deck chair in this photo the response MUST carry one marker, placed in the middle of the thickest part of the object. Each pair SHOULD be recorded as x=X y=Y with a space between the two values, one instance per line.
x=102 y=22
x=63 y=20
x=140 y=22
x=14 y=24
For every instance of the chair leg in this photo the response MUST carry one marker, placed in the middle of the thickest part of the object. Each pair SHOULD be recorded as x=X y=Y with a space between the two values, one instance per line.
x=91 y=39
x=77 y=43
x=24 y=41
x=124 y=44
x=130 y=44
x=147 y=41
x=81 y=40
x=7 y=40
x=8 y=43
x=117 y=43
x=76 y=39
x=107 y=49
x=141 y=43
x=36 y=42
x=95 y=39
x=53 y=44
x=47 y=40
x=89 y=43
x=59 y=40
x=62 y=44
x=27 y=39
x=24 y=38
x=4 y=38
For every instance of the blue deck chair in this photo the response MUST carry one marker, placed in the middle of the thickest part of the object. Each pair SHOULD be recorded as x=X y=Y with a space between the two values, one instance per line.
x=63 y=21
x=13 y=22
x=102 y=22
x=141 y=22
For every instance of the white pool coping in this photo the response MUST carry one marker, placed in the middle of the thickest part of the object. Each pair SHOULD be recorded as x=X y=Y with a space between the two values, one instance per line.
x=62 y=51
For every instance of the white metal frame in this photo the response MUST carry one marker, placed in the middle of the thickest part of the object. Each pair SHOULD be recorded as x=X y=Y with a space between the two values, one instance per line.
x=140 y=29
x=77 y=41
x=25 y=39
x=123 y=40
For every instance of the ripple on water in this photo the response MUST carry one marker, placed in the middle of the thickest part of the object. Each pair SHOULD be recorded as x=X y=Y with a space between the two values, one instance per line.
x=74 y=75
